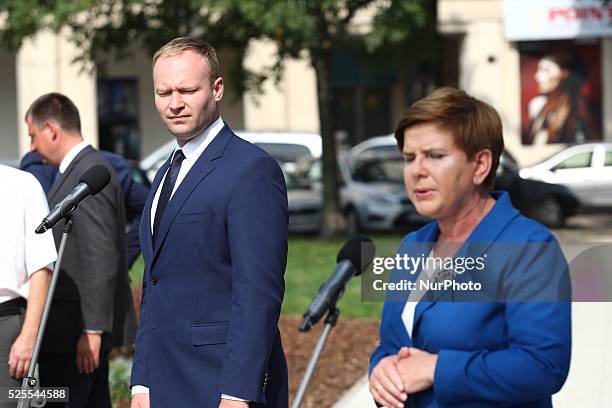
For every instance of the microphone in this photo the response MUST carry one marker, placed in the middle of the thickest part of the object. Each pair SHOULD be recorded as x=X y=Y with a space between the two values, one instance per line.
x=90 y=183
x=351 y=261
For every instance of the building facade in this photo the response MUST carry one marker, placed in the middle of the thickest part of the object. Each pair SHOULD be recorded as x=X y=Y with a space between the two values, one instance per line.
x=508 y=53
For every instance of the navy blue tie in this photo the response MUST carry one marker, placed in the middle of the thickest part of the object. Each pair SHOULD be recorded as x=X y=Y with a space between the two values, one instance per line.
x=167 y=188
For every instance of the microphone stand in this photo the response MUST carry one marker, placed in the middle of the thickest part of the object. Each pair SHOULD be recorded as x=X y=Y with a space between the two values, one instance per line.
x=330 y=322
x=30 y=381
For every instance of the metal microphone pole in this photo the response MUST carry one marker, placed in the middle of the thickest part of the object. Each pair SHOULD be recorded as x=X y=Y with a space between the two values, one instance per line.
x=29 y=382
x=330 y=323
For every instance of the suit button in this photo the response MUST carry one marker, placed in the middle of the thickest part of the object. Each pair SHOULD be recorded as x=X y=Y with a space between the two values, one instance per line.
x=154 y=280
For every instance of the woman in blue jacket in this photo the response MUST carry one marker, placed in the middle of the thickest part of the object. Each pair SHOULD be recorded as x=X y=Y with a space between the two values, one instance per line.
x=500 y=335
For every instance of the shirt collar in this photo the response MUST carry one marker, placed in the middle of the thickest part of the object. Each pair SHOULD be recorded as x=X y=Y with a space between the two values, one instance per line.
x=194 y=148
x=68 y=158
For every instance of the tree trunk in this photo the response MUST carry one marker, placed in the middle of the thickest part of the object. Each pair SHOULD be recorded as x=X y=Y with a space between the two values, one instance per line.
x=334 y=223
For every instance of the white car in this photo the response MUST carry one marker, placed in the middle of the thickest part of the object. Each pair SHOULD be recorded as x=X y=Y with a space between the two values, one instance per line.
x=286 y=147
x=379 y=144
x=585 y=169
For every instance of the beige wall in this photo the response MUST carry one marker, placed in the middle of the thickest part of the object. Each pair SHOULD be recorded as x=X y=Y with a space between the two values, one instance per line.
x=44 y=64
x=9 y=143
x=232 y=107
x=290 y=105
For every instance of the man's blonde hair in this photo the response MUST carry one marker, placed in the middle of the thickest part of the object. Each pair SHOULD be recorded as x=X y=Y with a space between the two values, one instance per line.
x=182 y=44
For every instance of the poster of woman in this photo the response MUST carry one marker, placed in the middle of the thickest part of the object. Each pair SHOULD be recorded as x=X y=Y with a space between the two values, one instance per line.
x=560 y=92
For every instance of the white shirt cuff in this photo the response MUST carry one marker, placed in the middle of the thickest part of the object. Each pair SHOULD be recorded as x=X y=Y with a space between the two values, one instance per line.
x=229 y=397
x=139 y=389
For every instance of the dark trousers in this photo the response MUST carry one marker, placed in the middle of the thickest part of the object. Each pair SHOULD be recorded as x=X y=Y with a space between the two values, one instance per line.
x=86 y=390
x=10 y=327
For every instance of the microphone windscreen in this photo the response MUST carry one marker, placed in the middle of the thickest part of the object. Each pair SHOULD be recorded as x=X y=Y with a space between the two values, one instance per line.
x=359 y=250
x=96 y=177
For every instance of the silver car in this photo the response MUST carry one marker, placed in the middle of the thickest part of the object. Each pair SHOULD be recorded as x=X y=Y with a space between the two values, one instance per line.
x=285 y=147
x=585 y=169
x=372 y=194
x=305 y=205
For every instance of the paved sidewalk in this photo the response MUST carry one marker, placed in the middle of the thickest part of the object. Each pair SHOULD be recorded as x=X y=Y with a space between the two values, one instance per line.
x=358 y=396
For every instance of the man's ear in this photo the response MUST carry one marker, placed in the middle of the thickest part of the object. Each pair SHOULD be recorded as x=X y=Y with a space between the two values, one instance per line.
x=483 y=161
x=218 y=88
x=52 y=129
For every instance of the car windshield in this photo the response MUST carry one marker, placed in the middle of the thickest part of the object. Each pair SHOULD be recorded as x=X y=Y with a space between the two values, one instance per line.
x=293 y=182
x=387 y=170
x=284 y=152
x=387 y=149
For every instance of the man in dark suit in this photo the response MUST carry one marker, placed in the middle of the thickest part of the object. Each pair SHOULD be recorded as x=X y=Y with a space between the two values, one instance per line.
x=135 y=193
x=92 y=306
x=214 y=241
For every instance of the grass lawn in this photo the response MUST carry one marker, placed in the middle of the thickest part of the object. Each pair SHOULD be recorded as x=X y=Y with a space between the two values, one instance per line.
x=310 y=262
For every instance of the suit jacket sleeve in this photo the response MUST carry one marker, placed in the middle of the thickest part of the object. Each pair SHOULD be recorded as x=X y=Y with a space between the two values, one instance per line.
x=535 y=362
x=138 y=376
x=94 y=235
x=257 y=235
x=135 y=198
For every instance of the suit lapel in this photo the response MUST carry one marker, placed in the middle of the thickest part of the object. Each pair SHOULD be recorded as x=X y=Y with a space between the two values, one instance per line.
x=146 y=235
x=200 y=170
x=57 y=186
x=424 y=241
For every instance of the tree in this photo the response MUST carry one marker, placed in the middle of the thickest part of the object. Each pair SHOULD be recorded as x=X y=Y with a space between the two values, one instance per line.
x=103 y=28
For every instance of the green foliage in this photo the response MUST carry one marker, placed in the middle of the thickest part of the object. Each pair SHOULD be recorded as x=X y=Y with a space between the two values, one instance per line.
x=105 y=30
x=410 y=25
x=120 y=370
x=311 y=262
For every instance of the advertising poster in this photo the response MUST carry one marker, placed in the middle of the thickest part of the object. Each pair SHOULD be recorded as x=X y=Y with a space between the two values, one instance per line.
x=561 y=99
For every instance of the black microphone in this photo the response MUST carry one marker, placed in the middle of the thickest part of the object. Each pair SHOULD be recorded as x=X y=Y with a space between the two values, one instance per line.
x=90 y=183
x=351 y=262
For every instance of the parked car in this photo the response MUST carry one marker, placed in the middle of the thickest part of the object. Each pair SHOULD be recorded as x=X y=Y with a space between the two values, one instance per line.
x=305 y=205
x=585 y=169
x=548 y=203
x=304 y=202
x=372 y=194
x=286 y=147
x=378 y=144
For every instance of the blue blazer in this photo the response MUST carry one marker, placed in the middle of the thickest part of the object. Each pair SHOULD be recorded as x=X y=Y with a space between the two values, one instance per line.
x=214 y=283
x=495 y=353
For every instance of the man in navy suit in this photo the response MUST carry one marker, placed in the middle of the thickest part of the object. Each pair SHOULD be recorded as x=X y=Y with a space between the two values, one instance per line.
x=214 y=241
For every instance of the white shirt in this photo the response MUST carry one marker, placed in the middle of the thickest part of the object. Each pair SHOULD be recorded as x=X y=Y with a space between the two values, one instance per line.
x=416 y=295
x=68 y=158
x=22 y=251
x=192 y=150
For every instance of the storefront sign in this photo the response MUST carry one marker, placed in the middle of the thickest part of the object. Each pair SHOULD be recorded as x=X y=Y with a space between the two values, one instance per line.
x=526 y=20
